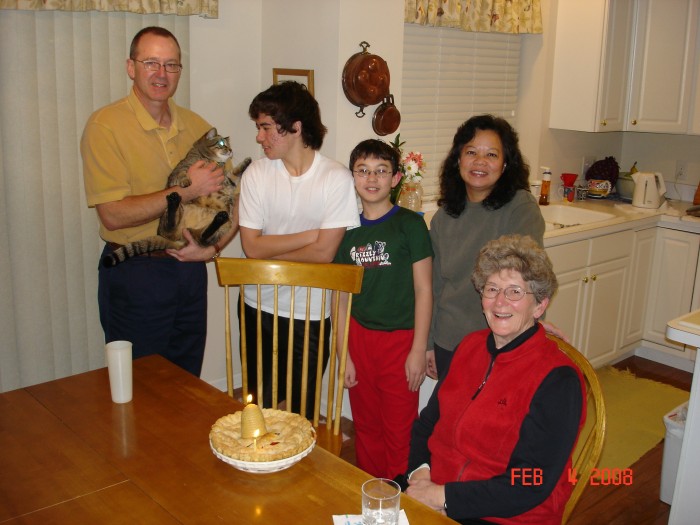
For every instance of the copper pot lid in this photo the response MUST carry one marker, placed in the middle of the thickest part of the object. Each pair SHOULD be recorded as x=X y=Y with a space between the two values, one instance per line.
x=365 y=79
x=387 y=117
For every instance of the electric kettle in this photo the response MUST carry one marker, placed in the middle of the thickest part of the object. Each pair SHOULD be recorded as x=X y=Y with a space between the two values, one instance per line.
x=649 y=190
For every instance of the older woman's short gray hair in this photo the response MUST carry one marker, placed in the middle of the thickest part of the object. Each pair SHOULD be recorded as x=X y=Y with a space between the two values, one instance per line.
x=521 y=254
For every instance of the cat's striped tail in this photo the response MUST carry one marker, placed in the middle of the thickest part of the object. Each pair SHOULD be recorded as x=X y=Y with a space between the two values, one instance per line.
x=154 y=246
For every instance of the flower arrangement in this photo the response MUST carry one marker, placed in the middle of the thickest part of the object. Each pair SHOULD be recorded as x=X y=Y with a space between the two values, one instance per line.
x=411 y=166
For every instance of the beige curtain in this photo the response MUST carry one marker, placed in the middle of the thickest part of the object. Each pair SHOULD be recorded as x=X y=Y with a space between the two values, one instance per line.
x=205 y=8
x=57 y=68
x=485 y=16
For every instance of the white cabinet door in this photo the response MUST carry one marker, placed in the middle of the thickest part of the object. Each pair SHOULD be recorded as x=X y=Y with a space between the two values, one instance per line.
x=604 y=310
x=592 y=51
x=662 y=68
x=694 y=126
x=589 y=306
x=612 y=101
x=637 y=296
x=673 y=279
x=566 y=309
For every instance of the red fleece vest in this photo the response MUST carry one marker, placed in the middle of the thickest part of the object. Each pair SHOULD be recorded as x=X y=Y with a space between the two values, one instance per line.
x=474 y=439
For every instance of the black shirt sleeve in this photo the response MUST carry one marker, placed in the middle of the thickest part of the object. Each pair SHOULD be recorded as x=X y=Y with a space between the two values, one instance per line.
x=547 y=437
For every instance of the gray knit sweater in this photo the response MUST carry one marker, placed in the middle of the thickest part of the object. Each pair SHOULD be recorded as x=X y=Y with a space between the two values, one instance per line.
x=456 y=243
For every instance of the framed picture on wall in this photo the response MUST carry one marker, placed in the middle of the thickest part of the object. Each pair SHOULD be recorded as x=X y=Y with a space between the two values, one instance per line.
x=303 y=76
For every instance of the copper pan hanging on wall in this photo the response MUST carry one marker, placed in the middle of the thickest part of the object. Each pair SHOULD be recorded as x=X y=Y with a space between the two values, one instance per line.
x=386 y=118
x=365 y=79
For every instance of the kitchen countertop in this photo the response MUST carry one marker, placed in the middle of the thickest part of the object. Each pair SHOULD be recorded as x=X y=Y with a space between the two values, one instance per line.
x=671 y=215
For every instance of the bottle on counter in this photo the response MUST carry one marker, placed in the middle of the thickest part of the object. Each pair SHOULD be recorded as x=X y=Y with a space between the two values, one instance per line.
x=546 y=182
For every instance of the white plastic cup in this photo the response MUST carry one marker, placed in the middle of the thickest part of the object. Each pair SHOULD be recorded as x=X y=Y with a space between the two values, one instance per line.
x=381 y=502
x=119 y=367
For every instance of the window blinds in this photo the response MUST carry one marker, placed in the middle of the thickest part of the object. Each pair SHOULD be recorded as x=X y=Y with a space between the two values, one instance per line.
x=448 y=76
x=58 y=67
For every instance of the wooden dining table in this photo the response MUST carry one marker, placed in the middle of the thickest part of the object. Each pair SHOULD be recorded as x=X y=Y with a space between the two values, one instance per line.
x=68 y=454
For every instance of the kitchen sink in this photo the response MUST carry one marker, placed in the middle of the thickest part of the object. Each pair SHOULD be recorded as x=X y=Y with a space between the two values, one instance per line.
x=558 y=216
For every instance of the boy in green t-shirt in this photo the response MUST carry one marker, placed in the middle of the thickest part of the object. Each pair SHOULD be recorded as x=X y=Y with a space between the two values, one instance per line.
x=390 y=317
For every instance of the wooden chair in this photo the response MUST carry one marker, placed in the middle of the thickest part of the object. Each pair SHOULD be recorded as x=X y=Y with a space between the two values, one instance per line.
x=327 y=277
x=591 y=445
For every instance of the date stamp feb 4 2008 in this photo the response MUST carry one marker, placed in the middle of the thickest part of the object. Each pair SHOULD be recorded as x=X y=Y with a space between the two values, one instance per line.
x=599 y=476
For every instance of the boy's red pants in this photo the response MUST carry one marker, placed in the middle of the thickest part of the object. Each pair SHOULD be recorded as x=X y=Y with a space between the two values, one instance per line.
x=383 y=409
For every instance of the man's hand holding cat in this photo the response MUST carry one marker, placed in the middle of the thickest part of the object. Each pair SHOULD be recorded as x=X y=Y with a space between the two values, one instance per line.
x=192 y=251
x=206 y=177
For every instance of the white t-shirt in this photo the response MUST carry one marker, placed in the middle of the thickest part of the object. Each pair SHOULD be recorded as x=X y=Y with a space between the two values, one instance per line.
x=277 y=203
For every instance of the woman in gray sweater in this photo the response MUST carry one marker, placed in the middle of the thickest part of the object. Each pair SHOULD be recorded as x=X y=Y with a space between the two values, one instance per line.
x=484 y=193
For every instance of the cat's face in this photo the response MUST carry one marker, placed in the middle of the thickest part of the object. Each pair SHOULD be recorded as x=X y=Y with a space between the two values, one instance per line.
x=218 y=147
x=221 y=149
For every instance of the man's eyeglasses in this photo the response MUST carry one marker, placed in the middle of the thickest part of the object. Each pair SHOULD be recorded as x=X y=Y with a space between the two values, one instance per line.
x=512 y=293
x=380 y=173
x=152 y=65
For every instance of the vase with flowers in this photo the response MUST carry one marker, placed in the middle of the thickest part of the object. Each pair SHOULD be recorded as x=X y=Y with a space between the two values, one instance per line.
x=408 y=193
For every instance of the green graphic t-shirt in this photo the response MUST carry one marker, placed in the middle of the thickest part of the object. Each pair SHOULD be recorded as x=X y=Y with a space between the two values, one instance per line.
x=386 y=248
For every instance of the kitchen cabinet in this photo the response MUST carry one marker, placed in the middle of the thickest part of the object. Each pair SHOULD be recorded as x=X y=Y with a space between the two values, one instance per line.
x=589 y=305
x=663 y=63
x=624 y=65
x=673 y=283
x=638 y=295
x=694 y=127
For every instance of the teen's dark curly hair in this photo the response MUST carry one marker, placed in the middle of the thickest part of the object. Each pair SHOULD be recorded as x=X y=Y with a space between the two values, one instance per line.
x=289 y=102
x=453 y=191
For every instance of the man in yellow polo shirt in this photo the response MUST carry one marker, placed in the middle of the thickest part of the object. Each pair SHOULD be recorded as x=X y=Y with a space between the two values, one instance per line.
x=157 y=301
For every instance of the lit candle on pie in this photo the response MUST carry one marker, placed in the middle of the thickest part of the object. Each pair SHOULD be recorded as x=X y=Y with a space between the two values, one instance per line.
x=255 y=440
x=252 y=420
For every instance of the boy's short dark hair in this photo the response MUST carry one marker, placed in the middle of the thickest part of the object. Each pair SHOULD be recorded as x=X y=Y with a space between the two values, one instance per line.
x=377 y=149
x=289 y=102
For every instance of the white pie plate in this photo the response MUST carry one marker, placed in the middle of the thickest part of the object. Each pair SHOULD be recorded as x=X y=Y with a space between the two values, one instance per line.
x=263 y=467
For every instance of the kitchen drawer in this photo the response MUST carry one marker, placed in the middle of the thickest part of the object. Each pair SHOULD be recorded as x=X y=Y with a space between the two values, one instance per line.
x=611 y=247
x=568 y=257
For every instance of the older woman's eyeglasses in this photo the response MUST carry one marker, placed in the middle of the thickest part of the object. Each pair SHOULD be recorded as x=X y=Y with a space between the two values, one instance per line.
x=380 y=173
x=152 y=65
x=512 y=293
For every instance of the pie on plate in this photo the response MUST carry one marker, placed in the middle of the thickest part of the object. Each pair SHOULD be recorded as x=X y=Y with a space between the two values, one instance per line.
x=289 y=437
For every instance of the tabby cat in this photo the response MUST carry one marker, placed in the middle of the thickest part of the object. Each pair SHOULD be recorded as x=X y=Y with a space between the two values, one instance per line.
x=207 y=217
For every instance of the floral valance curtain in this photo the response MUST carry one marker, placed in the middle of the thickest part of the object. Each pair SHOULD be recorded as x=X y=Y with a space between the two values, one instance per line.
x=486 y=16
x=205 y=8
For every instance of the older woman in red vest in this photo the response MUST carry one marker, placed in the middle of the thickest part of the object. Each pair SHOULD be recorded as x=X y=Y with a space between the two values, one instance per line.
x=494 y=443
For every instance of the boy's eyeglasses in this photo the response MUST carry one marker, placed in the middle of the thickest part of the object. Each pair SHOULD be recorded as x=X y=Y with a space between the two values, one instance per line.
x=380 y=173
x=512 y=293
x=152 y=65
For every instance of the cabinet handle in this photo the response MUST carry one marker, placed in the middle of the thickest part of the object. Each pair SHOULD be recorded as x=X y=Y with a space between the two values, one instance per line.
x=634 y=122
x=585 y=279
x=604 y=123
x=594 y=278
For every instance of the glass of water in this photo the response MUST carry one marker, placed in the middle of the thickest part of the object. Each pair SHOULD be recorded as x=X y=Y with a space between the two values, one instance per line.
x=381 y=502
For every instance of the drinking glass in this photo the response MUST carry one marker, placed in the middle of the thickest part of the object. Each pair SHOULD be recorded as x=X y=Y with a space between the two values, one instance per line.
x=381 y=501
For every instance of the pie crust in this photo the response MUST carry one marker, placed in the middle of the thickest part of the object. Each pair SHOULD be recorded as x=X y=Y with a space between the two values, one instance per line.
x=288 y=434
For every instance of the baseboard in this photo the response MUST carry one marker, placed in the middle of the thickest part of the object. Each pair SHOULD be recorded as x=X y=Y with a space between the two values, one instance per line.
x=664 y=358
x=220 y=384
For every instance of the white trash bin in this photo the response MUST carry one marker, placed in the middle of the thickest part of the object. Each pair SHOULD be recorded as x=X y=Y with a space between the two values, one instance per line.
x=675 y=427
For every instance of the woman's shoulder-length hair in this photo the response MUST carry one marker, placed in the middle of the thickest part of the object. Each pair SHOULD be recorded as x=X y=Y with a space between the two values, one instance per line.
x=453 y=192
